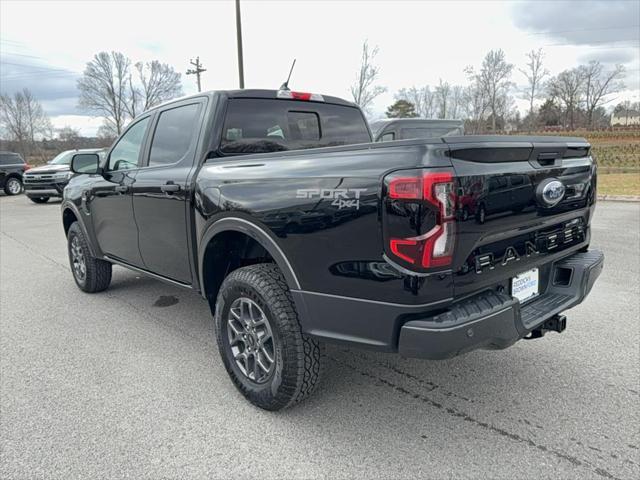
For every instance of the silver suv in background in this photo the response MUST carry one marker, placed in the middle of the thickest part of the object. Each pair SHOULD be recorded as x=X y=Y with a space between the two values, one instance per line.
x=42 y=183
x=406 y=128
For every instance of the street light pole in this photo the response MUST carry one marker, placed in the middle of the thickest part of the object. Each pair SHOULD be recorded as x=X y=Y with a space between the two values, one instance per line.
x=239 y=35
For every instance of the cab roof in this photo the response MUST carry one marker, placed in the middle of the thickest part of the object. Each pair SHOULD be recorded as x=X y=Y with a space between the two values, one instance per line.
x=252 y=93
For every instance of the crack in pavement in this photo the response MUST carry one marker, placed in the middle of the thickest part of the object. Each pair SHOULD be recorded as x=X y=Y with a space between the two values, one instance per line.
x=433 y=387
x=36 y=252
x=484 y=425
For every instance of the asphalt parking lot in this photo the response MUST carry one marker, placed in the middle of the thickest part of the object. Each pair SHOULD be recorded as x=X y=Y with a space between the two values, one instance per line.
x=128 y=383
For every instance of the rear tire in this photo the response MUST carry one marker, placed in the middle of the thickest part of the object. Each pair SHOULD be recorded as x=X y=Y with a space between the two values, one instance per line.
x=283 y=369
x=39 y=199
x=90 y=274
x=13 y=186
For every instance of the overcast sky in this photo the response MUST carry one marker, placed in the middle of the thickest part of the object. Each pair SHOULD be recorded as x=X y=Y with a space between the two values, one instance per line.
x=45 y=45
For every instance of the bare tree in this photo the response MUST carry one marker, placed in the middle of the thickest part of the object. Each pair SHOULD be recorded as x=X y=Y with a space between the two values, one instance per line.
x=535 y=74
x=112 y=89
x=104 y=87
x=421 y=98
x=159 y=82
x=442 y=97
x=494 y=78
x=475 y=104
x=106 y=134
x=567 y=88
x=24 y=120
x=429 y=102
x=598 y=84
x=456 y=102
x=69 y=137
x=365 y=90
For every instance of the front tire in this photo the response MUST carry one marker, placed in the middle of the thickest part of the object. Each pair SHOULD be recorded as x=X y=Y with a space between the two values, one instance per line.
x=90 y=274
x=481 y=215
x=13 y=186
x=39 y=199
x=270 y=361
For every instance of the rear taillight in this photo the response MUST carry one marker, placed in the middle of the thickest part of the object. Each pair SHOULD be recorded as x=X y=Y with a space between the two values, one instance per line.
x=26 y=167
x=427 y=202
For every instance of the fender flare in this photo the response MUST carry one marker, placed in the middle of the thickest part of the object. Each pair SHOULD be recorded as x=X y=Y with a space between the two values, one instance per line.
x=254 y=231
x=79 y=218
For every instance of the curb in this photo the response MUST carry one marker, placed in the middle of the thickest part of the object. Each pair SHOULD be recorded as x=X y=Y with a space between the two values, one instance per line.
x=619 y=198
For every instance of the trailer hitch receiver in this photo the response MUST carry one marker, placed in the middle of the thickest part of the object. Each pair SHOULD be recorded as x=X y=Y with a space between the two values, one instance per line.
x=557 y=323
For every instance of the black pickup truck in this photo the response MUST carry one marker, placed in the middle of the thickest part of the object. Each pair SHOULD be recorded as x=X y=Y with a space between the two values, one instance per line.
x=298 y=230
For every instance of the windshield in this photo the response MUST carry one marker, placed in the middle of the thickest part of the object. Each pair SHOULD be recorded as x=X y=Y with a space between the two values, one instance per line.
x=63 y=158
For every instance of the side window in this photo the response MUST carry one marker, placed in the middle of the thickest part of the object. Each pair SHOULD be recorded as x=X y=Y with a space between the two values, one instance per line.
x=124 y=155
x=388 y=137
x=174 y=134
x=10 y=159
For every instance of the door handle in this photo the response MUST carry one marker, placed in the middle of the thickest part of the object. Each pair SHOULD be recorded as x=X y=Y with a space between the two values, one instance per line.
x=122 y=188
x=170 y=188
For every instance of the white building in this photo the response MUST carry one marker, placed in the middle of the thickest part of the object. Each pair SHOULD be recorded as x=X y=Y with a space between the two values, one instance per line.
x=625 y=117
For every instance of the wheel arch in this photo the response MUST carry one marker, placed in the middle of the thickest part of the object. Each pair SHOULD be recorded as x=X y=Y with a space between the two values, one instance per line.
x=12 y=176
x=68 y=217
x=235 y=229
x=71 y=214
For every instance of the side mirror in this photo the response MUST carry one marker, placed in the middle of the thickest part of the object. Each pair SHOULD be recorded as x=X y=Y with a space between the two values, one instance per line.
x=86 y=163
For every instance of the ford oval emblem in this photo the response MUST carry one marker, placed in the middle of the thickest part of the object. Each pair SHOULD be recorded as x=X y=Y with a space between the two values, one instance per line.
x=550 y=192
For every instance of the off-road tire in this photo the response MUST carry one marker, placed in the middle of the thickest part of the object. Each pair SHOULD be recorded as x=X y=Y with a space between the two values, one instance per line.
x=39 y=199
x=97 y=272
x=9 y=188
x=297 y=367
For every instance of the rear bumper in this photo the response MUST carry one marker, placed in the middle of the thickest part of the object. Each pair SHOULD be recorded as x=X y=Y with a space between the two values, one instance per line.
x=494 y=320
x=488 y=320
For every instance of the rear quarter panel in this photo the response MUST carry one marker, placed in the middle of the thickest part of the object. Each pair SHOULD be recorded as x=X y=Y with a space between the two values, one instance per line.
x=334 y=247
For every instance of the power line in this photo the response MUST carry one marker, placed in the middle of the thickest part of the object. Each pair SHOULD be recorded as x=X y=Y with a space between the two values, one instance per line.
x=583 y=30
x=28 y=71
x=12 y=42
x=39 y=67
x=635 y=39
x=198 y=70
x=21 y=55
x=38 y=75
x=593 y=47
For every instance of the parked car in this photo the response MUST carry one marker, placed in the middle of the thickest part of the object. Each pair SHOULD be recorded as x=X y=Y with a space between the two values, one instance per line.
x=406 y=128
x=12 y=168
x=298 y=230
x=42 y=183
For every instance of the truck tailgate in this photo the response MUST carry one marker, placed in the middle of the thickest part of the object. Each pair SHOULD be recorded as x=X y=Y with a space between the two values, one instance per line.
x=520 y=203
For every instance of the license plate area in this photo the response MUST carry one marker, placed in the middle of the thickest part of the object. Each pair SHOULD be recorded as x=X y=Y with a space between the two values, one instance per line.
x=526 y=285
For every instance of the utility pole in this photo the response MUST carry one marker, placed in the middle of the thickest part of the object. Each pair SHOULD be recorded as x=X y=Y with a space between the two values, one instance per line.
x=239 y=36
x=198 y=70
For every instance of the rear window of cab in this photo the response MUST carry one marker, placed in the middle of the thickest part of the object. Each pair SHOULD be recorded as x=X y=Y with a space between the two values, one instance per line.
x=264 y=125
